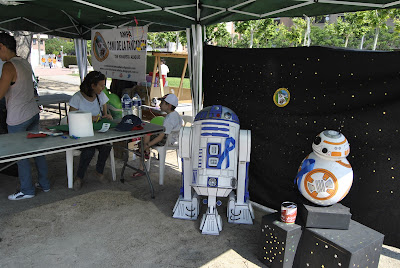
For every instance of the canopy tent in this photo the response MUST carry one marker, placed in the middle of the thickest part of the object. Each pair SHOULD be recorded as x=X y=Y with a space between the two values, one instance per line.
x=76 y=19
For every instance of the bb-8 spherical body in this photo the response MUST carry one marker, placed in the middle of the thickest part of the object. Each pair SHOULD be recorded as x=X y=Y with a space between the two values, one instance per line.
x=325 y=176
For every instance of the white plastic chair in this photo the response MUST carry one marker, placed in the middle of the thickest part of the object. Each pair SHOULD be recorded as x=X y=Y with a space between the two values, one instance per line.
x=70 y=160
x=162 y=152
x=187 y=119
x=76 y=152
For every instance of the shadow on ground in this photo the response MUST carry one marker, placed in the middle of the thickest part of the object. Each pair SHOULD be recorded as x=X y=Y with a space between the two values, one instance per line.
x=114 y=224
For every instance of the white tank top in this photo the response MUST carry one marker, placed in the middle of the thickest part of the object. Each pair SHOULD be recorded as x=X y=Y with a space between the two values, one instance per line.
x=20 y=101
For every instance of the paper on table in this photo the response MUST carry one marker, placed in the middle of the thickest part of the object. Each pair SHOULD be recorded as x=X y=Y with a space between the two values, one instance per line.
x=105 y=127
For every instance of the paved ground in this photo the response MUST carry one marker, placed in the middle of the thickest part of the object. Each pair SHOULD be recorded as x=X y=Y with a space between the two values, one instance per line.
x=118 y=225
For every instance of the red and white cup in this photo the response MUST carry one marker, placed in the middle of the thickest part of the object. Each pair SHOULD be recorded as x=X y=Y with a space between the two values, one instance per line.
x=288 y=212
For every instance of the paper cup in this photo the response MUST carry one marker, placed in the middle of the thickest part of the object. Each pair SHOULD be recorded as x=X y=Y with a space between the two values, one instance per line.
x=288 y=212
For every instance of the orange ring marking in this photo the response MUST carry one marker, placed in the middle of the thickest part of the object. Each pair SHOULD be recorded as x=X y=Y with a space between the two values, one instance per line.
x=336 y=143
x=326 y=173
x=343 y=164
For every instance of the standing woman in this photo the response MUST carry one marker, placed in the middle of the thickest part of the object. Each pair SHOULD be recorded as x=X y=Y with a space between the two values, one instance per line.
x=50 y=61
x=22 y=112
x=92 y=99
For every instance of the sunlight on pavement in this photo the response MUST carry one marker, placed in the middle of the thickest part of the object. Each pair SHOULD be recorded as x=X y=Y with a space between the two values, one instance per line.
x=229 y=259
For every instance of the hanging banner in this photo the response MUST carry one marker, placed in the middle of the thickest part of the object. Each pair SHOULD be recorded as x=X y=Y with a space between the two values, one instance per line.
x=120 y=53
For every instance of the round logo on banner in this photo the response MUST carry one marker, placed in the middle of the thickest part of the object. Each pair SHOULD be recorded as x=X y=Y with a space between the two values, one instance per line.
x=100 y=49
x=282 y=97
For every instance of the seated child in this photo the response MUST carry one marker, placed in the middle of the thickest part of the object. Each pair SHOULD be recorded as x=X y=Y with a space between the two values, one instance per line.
x=172 y=123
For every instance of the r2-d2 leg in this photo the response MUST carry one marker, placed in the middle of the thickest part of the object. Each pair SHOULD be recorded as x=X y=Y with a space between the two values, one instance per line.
x=187 y=206
x=211 y=222
x=239 y=207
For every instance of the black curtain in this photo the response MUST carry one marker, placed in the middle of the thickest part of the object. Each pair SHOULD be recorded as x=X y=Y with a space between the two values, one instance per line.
x=355 y=92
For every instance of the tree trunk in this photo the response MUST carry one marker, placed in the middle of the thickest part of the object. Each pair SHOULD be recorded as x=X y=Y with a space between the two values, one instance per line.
x=251 y=38
x=24 y=41
x=376 y=38
x=307 y=38
x=347 y=41
x=362 y=41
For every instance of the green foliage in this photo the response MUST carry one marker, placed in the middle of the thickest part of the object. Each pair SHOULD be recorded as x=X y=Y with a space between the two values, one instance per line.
x=53 y=46
x=346 y=32
x=388 y=40
x=256 y=33
x=69 y=60
x=218 y=35
x=160 y=39
x=325 y=37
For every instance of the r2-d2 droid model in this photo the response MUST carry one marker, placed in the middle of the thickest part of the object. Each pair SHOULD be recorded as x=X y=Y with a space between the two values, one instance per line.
x=216 y=156
x=325 y=176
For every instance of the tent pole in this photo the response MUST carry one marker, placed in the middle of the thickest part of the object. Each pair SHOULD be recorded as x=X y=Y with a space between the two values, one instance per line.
x=200 y=66
x=81 y=56
x=190 y=65
x=195 y=71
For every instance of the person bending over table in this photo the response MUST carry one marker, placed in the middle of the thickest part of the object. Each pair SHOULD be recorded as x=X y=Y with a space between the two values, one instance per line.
x=22 y=112
x=172 y=124
x=92 y=99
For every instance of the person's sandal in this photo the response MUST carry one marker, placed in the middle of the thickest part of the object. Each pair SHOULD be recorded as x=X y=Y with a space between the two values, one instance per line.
x=138 y=174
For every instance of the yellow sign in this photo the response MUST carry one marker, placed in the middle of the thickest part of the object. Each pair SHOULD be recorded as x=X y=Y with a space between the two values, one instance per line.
x=281 y=97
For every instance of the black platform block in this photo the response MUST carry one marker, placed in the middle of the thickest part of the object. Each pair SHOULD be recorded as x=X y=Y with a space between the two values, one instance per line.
x=336 y=216
x=278 y=241
x=359 y=246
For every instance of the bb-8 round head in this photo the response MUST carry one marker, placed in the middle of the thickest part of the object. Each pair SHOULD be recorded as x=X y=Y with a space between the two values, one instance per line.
x=331 y=145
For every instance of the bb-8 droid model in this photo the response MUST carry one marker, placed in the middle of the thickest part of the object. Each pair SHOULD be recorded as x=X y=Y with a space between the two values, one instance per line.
x=325 y=176
x=216 y=155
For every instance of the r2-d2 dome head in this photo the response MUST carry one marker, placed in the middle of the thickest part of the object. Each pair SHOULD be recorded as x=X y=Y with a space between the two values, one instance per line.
x=217 y=112
x=331 y=144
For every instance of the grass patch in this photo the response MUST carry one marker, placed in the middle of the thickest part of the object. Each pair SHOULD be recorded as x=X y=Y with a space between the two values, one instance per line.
x=175 y=81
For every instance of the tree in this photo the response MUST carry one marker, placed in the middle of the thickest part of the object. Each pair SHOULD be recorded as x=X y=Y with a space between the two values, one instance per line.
x=218 y=34
x=249 y=28
x=377 y=20
x=53 y=46
x=326 y=36
x=23 y=40
x=297 y=31
x=282 y=38
x=159 y=40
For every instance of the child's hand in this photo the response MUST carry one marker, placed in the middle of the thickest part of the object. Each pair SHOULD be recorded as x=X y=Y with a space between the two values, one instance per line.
x=95 y=118
x=108 y=116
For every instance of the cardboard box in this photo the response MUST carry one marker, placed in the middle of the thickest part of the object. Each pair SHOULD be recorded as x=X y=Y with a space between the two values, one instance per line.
x=359 y=246
x=336 y=216
x=278 y=241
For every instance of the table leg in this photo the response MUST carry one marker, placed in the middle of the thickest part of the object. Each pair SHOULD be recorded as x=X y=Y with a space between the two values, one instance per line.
x=70 y=167
x=112 y=160
x=8 y=165
x=59 y=112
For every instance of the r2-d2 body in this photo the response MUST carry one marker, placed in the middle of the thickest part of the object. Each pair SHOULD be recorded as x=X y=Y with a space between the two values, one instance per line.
x=325 y=176
x=216 y=156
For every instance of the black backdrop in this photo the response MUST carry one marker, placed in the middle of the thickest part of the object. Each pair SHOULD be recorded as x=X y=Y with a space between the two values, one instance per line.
x=356 y=92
